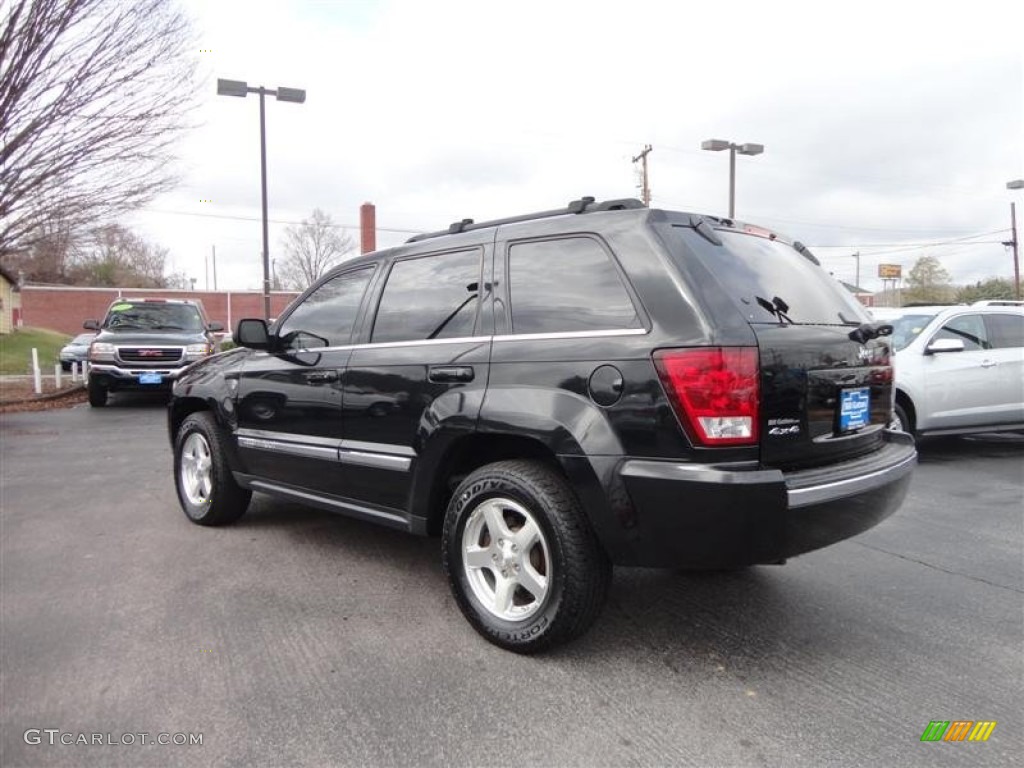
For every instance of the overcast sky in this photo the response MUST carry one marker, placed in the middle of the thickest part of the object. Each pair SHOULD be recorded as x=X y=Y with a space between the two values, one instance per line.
x=889 y=128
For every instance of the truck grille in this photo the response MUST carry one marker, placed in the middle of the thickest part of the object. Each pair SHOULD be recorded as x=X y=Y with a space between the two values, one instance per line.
x=153 y=355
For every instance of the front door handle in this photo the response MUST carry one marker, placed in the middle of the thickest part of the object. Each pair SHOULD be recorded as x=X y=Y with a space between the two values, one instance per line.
x=987 y=363
x=441 y=373
x=321 y=377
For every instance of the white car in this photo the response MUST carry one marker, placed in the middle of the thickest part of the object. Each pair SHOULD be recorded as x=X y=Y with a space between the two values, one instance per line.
x=959 y=369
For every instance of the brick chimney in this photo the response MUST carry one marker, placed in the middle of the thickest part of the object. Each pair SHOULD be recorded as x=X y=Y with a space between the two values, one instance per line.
x=367 y=227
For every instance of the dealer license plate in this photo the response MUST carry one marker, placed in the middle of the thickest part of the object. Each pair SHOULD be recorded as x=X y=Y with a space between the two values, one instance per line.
x=150 y=378
x=854 y=408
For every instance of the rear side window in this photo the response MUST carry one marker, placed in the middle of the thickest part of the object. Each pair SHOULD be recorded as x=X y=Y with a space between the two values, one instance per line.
x=567 y=285
x=1005 y=331
x=325 y=317
x=970 y=329
x=430 y=297
x=750 y=266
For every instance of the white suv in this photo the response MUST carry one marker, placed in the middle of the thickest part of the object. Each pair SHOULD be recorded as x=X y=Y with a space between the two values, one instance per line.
x=959 y=369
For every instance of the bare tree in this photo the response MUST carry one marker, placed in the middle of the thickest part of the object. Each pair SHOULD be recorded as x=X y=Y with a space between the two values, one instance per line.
x=311 y=249
x=93 y=94
x=113 y=255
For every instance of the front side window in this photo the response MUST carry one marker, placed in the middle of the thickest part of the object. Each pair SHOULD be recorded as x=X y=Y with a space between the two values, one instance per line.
x=430 y=297
x=326 y=316
x=567 y=285
x=970 y=329
x=1005 y=331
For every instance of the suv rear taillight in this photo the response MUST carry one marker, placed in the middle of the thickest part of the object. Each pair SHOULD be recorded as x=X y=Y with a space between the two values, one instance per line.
x=714 y=391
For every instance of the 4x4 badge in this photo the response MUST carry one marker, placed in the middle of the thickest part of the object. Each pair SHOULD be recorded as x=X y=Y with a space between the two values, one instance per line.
x=783 y=427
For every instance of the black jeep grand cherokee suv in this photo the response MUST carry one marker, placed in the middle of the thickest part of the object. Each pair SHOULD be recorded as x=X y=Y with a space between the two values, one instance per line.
x=557 y=392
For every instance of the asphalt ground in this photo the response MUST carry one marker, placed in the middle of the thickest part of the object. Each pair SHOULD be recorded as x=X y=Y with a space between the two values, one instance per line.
x=296 y=637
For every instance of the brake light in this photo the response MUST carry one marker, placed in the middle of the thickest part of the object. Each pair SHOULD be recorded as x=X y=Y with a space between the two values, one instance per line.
x=715 y=392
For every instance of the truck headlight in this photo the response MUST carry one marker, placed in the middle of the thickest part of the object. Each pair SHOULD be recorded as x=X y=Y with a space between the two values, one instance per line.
x=197 y=351
x=99 y=350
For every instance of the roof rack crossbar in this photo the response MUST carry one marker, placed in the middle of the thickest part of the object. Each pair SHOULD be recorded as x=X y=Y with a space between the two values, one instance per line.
x=583 y=205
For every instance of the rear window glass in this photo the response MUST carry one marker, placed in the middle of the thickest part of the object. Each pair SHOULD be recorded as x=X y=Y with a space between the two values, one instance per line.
x=567 y=285
x=749 y=266
x=430 y=297
x=1006 y=331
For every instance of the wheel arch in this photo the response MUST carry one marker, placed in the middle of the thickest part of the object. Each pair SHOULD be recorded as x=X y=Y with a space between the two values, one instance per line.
x=907 y=404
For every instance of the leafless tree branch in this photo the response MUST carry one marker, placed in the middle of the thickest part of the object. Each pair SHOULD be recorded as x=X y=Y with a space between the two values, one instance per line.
x=311 y=248
x=93 y=95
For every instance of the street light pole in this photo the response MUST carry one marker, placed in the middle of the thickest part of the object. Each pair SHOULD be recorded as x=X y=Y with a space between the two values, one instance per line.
x=296 y=95
x=732 y=181
x=717 y=145
x=263 y=185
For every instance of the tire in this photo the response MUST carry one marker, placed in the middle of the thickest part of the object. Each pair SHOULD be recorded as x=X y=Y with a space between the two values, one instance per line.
x=97 y=394
x=901 y=421
x=521 y=559
x=206 y=489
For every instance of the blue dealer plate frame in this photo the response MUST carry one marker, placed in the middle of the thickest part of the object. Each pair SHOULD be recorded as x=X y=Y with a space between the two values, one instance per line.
x=150 y=378
x=854 y=408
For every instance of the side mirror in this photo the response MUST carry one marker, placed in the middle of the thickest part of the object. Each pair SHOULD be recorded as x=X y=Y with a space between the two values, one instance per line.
x=214 y=327
x=944 y=345
x=252 y=333
x=91 y=325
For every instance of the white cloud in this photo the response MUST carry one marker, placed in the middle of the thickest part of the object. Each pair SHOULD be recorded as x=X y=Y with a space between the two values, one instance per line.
x=883 y=122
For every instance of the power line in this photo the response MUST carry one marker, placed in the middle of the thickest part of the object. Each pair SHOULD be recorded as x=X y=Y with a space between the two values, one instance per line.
x=272 y=221
x=903 y=247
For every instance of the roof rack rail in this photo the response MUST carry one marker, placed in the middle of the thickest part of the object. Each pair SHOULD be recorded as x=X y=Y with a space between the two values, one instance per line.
x=583 y=205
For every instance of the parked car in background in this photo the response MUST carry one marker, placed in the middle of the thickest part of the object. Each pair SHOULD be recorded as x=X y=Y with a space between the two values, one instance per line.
x=145 y=344
x=959 y=368
x=555 y=393
x=76 y=350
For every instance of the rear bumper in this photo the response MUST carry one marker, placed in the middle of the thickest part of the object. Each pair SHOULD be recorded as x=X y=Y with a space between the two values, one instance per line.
x=706 y=517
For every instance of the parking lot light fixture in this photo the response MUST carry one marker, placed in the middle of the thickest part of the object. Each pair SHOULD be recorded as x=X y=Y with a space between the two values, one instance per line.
x=718 y=145
x=294 y=95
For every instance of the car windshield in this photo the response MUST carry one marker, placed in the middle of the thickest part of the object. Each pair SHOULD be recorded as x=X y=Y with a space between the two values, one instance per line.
x=908 y=327
x=134 y=316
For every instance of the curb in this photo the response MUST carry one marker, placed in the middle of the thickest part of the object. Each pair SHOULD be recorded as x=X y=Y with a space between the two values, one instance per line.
x=44 y=398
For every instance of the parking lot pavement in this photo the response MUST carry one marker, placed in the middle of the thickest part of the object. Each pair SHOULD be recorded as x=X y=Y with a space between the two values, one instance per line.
x=296 y=637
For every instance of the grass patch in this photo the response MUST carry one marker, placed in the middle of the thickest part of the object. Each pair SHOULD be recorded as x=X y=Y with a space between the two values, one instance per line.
x=16 y=349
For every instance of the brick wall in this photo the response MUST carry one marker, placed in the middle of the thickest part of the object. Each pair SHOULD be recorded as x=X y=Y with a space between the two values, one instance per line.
x=64 y=309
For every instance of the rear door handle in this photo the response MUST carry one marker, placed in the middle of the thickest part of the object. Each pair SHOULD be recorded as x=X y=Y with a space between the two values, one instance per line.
x=439 y=373
x=987 y=363
x=321 y=377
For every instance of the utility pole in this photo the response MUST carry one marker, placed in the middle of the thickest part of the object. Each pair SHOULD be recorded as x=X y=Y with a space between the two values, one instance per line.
x=857 y=257
x=214 y=254
x=645 y=195
x=1013 y=244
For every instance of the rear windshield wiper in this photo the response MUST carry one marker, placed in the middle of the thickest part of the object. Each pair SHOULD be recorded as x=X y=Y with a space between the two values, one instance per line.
x=776 y=308
x=867 y=331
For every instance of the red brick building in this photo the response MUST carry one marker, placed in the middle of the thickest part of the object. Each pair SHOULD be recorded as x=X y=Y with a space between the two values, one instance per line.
x=65 y=308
